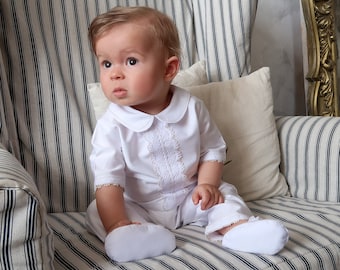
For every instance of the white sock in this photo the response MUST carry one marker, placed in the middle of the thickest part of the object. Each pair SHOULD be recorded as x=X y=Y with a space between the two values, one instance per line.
x=139 y=241
x=257 y=236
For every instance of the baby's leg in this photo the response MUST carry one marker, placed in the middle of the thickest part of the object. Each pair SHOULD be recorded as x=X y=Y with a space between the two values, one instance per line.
x=233 y=224
x=131 y=242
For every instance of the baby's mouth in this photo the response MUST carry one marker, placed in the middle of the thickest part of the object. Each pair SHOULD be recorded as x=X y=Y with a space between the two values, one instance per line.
x=120 y=92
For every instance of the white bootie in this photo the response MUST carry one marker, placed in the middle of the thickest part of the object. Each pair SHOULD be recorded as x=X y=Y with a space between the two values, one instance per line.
x=257 y=236
x=139 y=241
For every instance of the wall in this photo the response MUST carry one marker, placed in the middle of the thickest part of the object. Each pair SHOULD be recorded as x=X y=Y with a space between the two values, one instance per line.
x=277 y=43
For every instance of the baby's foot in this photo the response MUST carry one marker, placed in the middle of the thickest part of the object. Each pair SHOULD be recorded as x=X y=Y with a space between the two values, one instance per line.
x=257 y=236
x=135 y=242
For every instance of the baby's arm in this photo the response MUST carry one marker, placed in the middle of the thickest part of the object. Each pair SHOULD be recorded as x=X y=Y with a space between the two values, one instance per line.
x=209 y=180
x=111 y=207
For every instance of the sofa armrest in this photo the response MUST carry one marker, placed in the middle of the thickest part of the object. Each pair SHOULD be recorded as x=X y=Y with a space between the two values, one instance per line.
x=26 y=241
x=310 y=160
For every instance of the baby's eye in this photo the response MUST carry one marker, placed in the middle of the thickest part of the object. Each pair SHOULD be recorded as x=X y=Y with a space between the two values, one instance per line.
x=106 y=64
x=131 y=61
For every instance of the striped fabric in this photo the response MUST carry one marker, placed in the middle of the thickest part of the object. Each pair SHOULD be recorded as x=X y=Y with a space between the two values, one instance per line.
x=48 y=63
x=26 y=241
x=314 y=242
x=7 y=123
x=310 y=148
x=46 y=121
x=223 y=31
x=4 y=138
x=47 y=84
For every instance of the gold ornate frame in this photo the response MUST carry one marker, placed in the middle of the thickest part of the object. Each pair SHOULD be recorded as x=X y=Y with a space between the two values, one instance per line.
x=322 y=97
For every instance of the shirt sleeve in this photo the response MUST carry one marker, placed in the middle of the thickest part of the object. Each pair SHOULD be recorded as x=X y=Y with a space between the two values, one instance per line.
x=212 y=144
x=106 y=159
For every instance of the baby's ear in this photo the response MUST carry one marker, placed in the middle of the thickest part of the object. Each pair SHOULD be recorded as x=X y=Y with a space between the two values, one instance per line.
x=172 y=67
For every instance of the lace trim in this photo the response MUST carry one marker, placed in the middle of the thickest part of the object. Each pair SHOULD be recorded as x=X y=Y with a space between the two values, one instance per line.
x=214 y=160
x=166 y=156
x=109 y=185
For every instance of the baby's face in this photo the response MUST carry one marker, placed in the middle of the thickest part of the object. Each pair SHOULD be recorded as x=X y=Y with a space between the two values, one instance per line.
x=132 y=67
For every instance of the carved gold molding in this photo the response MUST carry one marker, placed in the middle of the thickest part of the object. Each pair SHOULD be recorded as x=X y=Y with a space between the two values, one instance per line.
x=322 y=98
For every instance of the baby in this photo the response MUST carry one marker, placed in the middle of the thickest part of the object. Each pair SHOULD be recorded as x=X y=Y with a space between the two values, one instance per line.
x=157 y=156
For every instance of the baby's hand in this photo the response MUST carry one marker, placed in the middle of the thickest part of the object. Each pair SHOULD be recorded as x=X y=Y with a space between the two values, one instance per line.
x=209 y=195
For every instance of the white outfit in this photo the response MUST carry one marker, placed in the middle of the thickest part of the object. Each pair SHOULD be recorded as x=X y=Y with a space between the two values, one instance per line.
x=155 y=159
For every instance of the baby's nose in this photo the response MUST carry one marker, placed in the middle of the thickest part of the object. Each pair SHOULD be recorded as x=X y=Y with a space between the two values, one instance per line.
x=116 y=73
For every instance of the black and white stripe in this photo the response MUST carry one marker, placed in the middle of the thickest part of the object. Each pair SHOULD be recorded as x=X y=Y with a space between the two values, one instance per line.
x=310 y=148
x=49 y=63
x=223 y=30
x=26 y=240
x=313 y=228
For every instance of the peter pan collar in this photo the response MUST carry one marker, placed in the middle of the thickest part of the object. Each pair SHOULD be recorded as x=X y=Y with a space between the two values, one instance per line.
x=139 y=121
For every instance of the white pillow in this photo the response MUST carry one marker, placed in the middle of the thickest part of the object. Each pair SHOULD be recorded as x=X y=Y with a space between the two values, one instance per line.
x=243 y=110
x=194 y=75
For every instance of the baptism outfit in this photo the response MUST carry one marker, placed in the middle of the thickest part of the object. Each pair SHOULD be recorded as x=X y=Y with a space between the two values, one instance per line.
x=155 y=159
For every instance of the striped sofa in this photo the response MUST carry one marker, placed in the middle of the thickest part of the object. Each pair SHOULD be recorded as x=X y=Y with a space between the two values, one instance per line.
x=47 y=118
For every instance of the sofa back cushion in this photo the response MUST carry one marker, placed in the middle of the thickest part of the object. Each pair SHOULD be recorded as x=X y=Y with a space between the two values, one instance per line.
x=47 y=64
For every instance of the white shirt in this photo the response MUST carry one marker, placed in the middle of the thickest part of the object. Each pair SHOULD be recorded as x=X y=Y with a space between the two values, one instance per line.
x=155 y=157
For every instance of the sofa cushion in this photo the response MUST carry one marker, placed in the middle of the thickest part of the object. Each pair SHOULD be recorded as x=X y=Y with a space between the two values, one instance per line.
x=313 y=229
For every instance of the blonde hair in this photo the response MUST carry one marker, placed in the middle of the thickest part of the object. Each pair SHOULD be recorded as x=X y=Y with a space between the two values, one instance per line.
x=160 y=24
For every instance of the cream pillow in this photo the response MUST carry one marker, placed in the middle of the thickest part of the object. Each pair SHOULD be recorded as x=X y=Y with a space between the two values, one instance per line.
x=194 y=75
x=243 y=110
